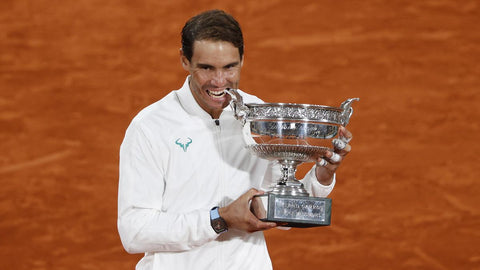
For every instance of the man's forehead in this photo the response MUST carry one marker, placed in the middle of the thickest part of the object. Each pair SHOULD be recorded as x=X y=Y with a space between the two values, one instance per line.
x=215 y=50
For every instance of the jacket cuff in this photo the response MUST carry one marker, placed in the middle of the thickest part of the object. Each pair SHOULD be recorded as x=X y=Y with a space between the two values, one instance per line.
x=312 y=185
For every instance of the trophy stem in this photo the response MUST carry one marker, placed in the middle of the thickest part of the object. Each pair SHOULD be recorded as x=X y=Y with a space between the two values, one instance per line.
x=288 y=184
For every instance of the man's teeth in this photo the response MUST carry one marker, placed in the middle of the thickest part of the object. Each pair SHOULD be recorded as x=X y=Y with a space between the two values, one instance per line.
x=216 y=93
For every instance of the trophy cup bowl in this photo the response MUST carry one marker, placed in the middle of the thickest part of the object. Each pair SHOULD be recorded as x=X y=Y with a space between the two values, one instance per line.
x=290 y=134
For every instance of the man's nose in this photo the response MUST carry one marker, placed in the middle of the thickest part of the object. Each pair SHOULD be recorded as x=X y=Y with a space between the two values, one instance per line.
x=219 y=78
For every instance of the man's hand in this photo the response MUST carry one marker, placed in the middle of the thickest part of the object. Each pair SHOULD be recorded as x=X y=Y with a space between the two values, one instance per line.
x=238 y=214
x=327 y=165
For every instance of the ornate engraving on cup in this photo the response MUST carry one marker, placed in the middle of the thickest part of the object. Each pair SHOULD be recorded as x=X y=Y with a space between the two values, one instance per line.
x=302 y=153
x=291 y=134
x=277 y=111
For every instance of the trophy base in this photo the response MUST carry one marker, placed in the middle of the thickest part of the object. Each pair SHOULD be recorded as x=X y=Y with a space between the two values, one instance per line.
x=292 y=211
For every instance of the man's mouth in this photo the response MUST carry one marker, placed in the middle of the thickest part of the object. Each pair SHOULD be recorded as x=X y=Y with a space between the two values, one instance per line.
x=216 y=94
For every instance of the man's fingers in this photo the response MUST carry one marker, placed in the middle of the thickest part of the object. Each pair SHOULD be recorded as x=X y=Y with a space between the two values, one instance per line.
x=341 y=147
x=329 y=158
x=253 y=223
x=339 y=144
x=258 y=225
x=322 y=162
x=334 y=157
x=253 y=192
x=345 y=135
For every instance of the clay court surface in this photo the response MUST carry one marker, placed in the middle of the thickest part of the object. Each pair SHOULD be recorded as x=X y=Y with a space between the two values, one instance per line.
x=74 y=73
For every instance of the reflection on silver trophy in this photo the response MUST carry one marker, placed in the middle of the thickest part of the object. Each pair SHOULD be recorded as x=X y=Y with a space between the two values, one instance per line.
x=290 y=134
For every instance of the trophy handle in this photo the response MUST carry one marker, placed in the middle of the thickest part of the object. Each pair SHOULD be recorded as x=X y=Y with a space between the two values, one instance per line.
x=238 y=107
x=347 y=110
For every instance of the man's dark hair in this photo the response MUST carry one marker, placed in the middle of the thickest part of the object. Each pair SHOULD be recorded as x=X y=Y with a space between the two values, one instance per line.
x=215 y=25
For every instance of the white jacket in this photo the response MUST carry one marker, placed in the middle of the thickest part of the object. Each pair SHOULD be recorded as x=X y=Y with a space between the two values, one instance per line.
x=176 y=164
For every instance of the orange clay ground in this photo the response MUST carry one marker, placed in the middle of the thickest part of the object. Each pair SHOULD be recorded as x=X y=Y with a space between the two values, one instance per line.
x=74 y=73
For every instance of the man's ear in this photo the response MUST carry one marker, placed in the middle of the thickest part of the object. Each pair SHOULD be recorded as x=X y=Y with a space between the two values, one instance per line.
x=184 y=61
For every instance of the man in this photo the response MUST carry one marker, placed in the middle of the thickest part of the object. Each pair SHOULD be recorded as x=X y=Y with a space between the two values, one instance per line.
x=186 y=179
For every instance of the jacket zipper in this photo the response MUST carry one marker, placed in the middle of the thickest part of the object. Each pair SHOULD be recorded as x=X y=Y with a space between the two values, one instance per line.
x=221 y=181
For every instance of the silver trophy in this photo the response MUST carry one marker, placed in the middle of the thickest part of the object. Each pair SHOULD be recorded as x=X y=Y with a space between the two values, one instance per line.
x=290 y=134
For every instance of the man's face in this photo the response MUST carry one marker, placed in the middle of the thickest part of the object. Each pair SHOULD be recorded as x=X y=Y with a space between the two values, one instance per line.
x=215 y=66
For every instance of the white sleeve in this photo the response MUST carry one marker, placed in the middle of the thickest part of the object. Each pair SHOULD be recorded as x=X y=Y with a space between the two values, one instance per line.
x=312 y=185
x=142 y=225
